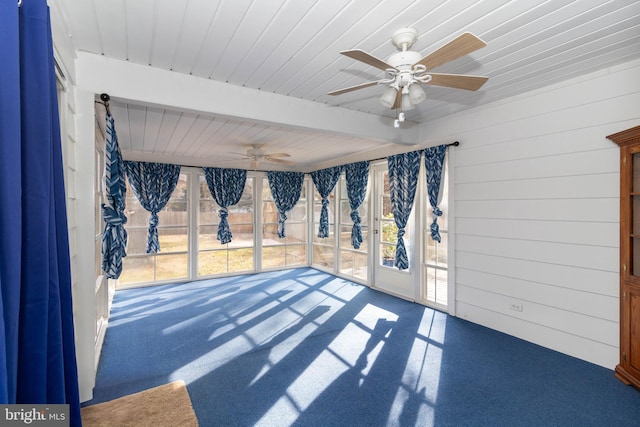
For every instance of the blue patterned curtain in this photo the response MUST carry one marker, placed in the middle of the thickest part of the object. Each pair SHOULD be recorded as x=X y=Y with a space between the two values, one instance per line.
x=114 y=238
x=403 y=179
x=37 y=342
x=434 y=165
x=357 y=176
x=226 y=187
x=325 y=180
x=153 y=184
x=285 y=190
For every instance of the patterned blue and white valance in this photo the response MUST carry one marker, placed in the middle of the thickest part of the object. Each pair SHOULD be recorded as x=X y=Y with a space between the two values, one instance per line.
x=357 y=176
x=434 y=165
x=153 y=184
x=114 y=238
x=286 y=188
x=226 y=187
x=325 y=180
x=403 y=179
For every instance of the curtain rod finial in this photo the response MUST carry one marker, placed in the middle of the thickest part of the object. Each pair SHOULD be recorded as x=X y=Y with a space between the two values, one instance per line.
x=105 y=97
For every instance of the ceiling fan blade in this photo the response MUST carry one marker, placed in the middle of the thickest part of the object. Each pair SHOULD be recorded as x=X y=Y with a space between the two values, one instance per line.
x=276 y=160
x=278 y=155
x=460 y=46
x=240 y=154
x=362 y=56
x=457 y=81
x=352 y=88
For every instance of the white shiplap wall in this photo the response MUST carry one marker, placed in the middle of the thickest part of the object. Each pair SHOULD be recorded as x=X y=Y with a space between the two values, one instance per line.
x=76 y=113
x=536 y=211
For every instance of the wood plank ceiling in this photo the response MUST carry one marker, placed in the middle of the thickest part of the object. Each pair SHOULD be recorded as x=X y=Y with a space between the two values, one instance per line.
x=290 y=48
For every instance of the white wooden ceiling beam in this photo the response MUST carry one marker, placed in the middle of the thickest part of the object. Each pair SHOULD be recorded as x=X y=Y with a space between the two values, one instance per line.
x=152 y=86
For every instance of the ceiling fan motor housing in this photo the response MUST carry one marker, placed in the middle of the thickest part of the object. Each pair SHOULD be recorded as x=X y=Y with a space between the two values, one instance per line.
x=404 y=38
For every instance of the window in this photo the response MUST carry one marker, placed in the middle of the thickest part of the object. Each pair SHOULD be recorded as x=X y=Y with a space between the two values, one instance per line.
x=173 y=259
x=353 y=262
x=238 y=255
x=324 y=248
x=291 y=250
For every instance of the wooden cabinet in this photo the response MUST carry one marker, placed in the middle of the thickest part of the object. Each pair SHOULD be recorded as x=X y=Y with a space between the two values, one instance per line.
x=628 y=370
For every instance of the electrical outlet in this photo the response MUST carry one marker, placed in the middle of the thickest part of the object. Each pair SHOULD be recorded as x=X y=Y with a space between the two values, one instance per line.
x=516 y=307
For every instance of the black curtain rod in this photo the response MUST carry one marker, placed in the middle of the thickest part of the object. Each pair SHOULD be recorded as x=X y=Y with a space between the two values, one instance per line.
x=455 y=144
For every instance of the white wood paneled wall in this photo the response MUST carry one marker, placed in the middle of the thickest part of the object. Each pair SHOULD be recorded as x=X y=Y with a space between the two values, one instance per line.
x=536 y=212
x=77 y=120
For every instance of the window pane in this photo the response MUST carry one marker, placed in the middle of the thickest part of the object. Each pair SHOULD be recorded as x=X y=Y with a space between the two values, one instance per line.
x=353 y=264
x=174 y=213
x=269 y=212
x=296 y=233
x=324 y=240
x=212 y=262
x=172 y=266
x=346 y=263
x=345 y=212
x=298 y=213
x=270 y=235
x=208 y=212
x=323 y=255
x=137 y=216
x=173 y=239
x=345 y=237
x=207 y=237
x=273 y=256
x=137 y=241
x=240 y=260
x=137 y=269
x=296 y=255
x=242 y=236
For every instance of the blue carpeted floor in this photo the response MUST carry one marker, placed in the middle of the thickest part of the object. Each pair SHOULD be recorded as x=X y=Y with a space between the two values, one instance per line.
x=304 y=348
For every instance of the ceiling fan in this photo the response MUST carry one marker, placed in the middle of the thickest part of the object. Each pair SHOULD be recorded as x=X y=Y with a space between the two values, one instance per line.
x=256 y=155
x=407 y=69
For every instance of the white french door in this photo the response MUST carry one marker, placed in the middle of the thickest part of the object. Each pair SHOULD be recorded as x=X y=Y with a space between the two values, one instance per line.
x=387 y=277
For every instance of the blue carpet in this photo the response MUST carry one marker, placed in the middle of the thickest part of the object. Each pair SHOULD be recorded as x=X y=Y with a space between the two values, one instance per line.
x=304 y=348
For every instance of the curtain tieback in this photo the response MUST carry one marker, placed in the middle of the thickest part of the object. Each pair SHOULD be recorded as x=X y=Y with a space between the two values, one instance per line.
x=282 y=217
x=356 y=232
x=223 y=213
x=153 y=244
x=113 y=217
x=437 y=211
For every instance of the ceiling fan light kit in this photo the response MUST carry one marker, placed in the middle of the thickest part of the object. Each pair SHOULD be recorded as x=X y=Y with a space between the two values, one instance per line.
x=407 y=70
